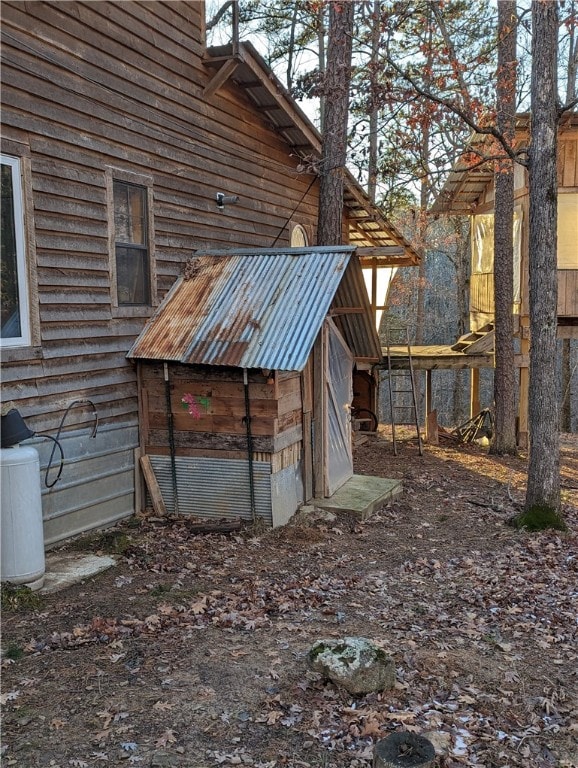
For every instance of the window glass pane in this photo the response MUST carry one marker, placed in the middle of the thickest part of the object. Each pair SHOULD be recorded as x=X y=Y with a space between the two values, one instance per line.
x=129 y=213
x=132 y=257
x=132 y=275
x=11 y=326
x=298 y=237
x=13 y=282
x=136 y=201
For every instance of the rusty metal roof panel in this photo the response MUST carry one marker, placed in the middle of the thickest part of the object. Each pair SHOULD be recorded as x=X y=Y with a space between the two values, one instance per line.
x=249 y=309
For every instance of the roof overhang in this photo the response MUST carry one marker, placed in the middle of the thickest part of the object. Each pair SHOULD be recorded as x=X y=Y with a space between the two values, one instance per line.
x=471 y=175
x=368 y=227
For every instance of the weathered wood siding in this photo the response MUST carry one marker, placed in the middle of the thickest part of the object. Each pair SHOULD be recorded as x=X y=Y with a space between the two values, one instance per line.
x=217 y=427
x=215 y=434
x=87 y=87
x=568 y=159
x=568 y=292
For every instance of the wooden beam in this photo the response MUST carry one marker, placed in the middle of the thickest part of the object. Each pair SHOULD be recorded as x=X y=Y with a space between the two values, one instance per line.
x=347 y=311
x=220 y=77
x=153 y=486
x=384 y=250
x=309 y=131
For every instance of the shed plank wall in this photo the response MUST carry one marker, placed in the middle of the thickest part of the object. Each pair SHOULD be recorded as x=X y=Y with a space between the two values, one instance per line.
x=276 y=411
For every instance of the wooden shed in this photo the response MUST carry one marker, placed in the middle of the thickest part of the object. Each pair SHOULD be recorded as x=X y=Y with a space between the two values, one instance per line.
x=469 y=191
x=245 y=380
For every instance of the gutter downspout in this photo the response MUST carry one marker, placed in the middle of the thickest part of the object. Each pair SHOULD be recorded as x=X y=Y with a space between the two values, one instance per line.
x=247 y=421
x=171 y=430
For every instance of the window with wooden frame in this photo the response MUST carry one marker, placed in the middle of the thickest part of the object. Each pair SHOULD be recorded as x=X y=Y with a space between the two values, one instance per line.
x=16 y=331
x=131 y=244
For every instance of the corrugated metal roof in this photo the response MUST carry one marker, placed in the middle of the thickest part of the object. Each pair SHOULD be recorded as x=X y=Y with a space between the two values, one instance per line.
x=259 y=309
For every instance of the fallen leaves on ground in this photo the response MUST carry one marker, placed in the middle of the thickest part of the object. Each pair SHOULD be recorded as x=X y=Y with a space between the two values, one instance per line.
x=195 y=646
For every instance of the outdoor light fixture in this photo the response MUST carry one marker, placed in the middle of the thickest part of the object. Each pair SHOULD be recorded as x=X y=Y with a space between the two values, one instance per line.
x=223 y=200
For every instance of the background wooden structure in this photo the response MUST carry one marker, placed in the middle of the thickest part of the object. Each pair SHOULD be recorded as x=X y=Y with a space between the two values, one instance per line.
x=471 y=192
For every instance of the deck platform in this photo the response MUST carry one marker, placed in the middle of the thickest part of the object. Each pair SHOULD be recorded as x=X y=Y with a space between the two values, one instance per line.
x=434 y=356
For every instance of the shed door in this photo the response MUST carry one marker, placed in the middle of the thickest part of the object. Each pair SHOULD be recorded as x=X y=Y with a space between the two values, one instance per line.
x=339 y=390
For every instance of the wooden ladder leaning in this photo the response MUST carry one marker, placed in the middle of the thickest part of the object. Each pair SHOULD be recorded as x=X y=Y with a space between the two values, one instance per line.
x=397 y=335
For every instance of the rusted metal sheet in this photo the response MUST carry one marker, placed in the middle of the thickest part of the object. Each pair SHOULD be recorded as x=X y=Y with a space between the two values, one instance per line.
x=258 y=309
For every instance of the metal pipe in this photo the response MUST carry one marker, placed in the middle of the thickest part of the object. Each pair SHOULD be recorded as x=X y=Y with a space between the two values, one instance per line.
x=249 y=444
x=171 y=431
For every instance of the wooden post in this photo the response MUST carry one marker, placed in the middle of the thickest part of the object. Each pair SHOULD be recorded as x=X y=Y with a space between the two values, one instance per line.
x=431 y=430
x=474 y=392
x=153 y=486
x=307 y=405
x=524 y=391
x=319 y=430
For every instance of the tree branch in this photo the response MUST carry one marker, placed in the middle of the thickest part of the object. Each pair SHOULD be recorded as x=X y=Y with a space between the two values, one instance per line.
x=490 y=130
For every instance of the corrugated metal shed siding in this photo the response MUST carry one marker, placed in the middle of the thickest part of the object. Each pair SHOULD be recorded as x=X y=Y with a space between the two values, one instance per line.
x=257 y=310
x=215 y=488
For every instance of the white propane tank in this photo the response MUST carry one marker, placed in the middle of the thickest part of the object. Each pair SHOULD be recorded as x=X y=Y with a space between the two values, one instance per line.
x=22 y=549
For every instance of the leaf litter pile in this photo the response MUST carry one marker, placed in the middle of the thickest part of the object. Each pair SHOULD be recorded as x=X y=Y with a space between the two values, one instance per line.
x=192 y=650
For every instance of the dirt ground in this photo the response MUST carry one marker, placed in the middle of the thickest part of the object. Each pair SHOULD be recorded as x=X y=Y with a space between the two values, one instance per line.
x=192 y=651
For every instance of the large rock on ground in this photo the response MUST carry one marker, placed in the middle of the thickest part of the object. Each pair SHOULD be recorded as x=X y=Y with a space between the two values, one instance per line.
x=355 y=663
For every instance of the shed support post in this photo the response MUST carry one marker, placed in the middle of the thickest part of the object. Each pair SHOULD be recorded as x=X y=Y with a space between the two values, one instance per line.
x=319 y=415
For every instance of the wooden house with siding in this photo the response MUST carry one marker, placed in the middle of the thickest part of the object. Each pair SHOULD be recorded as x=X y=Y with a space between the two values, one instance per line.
x=127 y=147
x=470 y=191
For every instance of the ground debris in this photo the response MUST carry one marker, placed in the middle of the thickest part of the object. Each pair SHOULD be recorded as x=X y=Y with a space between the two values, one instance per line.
x=193 y=649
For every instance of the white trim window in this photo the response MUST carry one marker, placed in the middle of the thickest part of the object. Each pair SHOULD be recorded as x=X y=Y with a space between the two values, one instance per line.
x=15 y=309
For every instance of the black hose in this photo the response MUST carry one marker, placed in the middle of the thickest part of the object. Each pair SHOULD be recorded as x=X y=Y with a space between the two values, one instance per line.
x=247 y=421
x=56 y=442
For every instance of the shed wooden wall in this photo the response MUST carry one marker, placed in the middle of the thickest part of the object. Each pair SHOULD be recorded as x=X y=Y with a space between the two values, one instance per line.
x=276 y=411
x=89 y=86
x=216 y=434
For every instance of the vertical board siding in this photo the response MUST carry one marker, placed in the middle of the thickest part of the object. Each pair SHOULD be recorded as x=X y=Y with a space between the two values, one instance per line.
x=92 y=86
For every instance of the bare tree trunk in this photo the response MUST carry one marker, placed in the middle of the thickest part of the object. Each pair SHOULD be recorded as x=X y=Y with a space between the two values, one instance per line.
x=373 y=115
x=291 y=48
x=322 y=59
x=336 y=94
x=543 y=489
x=504 y=440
